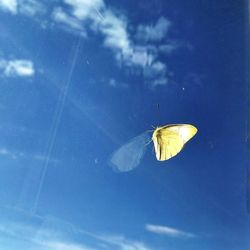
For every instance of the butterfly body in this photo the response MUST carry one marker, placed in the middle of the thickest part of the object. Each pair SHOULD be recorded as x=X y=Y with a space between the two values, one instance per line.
x=169 y=140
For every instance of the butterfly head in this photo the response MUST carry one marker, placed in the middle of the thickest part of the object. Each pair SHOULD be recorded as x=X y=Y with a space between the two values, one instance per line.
x=156 y=132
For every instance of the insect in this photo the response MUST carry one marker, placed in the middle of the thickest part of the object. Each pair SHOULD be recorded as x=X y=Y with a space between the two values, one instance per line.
x=168 y=141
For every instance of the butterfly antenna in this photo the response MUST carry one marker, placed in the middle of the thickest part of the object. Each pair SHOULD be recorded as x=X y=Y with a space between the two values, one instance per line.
x=158 y=113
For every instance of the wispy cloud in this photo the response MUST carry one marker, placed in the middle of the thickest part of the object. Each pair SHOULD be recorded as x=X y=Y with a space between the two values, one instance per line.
x=172 y=45
x=56 y=234
x=135 y=55
x=7 y=153
x=83 y=9
x=159 y=81
x=14 y=68
x=15 y=155
x=153 y=32
x=168 y=231
x=61 y=245
x=9 y=6
x=157 y=74
x=114 y=29
x=115 y=84
x=154 y=70
x=121 y=243
x=168 y=48
x=136 y=49
x=74 y=18
x=113 y=26
x=101 y=20
x=26 y=7
x=66 y=20
x=143 y=57
x=27 y=233
x=31 y=7
x=41 y=157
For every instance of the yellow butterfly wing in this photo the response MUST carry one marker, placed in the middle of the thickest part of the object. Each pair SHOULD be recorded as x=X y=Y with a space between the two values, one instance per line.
x=169 y=140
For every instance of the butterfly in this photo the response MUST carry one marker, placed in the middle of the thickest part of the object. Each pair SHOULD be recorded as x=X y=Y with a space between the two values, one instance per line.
x=168 y=141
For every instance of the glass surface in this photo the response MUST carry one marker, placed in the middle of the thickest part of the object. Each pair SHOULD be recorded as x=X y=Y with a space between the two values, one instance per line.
x=82 y=84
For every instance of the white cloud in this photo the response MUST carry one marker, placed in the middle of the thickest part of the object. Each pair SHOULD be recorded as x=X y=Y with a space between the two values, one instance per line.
x=169 y=231
x=26 y=7
x=41 y=157
x=124 y=244
x=156 y=74
x=115 y=84
x=155 y=32
x=139 y=52
x=167 y=48
x=116 y=37
x=9 y=5
x=6 y=153
x=15 y=155
x=154 y=70
x=27 y=233
x=113 y=26
x=83 y=9
x=62 y=17
x=13 y=68
x=112 y=82
x=103 y=20
x=141 y=56
x=114 y=29
x=80 y=11
x=172 y=45
x=158 y=82
x=56 y=234
x=120 y=242
x=61 y=245
x=31 y=7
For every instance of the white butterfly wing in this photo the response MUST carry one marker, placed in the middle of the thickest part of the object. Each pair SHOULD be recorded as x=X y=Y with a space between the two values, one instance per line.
x=129 y=156
x=169 y=140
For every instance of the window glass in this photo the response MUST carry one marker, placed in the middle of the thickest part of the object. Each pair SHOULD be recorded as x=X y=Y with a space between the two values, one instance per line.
x=83 y=86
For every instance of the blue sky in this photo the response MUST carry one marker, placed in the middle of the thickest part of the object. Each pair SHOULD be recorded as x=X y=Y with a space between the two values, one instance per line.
x=81 y=78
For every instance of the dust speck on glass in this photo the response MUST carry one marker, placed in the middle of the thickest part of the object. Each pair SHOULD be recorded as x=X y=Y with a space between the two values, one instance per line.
x=83 y=86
